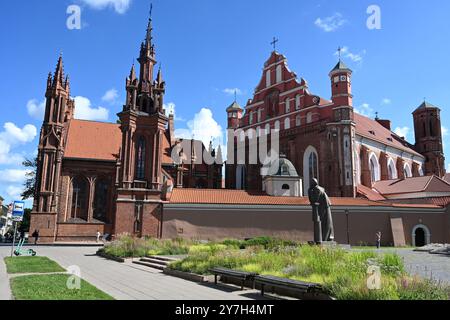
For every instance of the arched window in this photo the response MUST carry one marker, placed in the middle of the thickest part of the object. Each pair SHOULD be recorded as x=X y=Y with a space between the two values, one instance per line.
x=140 y=159
x=392 y=170
x=421 y=173
x=101 y=200
x=285 y=187
x=310 y=166
x=258 y=132
x=298 y=121
x=374 y=168
x=259 y=115
x=284 y=170
x=288 y=105
x=267 y=128
x=279 y=74
x=277 y=125
x=407 y=171
x=268 y=81
x=309 y=117
x=297 y=102
x=80 y=191
x=287 y=123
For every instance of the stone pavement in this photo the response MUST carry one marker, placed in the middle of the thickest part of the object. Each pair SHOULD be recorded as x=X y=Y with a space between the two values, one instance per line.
x=130 y=282
x=5 y=291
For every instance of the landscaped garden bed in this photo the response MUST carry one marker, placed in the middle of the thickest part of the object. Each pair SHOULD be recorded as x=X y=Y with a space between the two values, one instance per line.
x=31 y=265
x=342 y=273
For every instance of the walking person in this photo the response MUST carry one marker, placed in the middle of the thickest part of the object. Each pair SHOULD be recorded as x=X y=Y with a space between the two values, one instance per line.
x=378 y=234
x=98 y=236
x=35 y=235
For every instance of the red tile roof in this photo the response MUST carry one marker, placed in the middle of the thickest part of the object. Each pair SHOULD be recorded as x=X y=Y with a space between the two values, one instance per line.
x=93 y=140
x=240 y=197
x=446 y=178
x=412 y=185
x=372 y=130
x=369 y=193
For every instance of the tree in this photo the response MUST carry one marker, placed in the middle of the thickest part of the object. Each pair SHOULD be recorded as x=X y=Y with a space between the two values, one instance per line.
x=24 y=226
x=30 y=183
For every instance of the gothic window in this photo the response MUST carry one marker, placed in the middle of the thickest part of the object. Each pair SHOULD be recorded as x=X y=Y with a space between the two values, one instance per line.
x=267 y=128
x=279 y=74
x=277 y=125
x=79 y=199
x=101 y=200
x=392 y=171
x=374 y=168
x=288 y=105
x=313 y=167
x=407 y=171
x=310 y=166
x=268 y=81
x=298 y=121
x=140 y=159
x=287 y=123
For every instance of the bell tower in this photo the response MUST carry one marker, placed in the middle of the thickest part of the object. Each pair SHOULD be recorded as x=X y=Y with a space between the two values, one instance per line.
x=341 y=133
x=143 y=124
x=427 y=129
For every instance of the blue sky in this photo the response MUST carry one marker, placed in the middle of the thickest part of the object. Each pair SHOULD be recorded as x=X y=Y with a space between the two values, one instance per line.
x=207 y=49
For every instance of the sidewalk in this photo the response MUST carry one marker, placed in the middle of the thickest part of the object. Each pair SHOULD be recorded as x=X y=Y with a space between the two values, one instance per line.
x=5 y=291
x=126 y=281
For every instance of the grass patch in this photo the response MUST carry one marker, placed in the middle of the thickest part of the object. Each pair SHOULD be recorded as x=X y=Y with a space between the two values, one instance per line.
x=53 y=287
x=32 y=265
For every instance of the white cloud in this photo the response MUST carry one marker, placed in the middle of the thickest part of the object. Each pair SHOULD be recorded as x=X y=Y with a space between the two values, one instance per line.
x=85 y=111
x=232 y=91
x=120 y=6
x=110 y=96
x=364 y=110
x=402 y=131
x=171 y=109
x=332 y=23
x=14 y=192
x=203 y=127
x=36 y=109
x=355 y=57
x=386 y=101
x=12 y=136
x=444 y=131
x=13 y=175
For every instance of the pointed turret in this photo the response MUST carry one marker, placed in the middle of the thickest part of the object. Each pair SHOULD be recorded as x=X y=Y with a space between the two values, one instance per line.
x=59 y=73
x=159 y=77
x=132 y=76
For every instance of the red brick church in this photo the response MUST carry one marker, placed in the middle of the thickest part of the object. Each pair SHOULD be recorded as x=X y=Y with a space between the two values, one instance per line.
x=109 y=177
x=117 y=178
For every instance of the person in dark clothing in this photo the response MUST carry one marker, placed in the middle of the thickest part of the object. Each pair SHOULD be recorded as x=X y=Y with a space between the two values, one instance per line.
x=35 y=236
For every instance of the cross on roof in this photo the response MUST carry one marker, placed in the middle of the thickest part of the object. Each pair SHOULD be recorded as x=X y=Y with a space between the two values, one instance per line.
x=274 y=43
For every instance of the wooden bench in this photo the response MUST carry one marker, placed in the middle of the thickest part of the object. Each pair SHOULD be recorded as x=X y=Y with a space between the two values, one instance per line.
x=240 y=275
x=302 y=287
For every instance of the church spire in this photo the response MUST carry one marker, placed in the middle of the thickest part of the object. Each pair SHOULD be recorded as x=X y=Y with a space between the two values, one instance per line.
x=59 y=73
x=132 y=73
x=148 y=38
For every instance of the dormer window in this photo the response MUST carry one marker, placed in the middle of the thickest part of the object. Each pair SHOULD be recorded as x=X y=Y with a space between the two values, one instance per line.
x=372 y=132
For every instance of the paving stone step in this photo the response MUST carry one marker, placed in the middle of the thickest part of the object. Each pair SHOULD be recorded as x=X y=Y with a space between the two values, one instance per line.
x=168 y=259
x=150 y=265
x=155 y=261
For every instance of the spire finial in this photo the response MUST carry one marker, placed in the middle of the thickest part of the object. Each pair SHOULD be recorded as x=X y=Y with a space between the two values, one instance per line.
x=148 y=37
x=274 y=43
x=376 y=116
x=340 y=53
x=235 y=95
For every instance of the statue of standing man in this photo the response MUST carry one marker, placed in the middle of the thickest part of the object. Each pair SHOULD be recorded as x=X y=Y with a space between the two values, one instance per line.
x=323 y=220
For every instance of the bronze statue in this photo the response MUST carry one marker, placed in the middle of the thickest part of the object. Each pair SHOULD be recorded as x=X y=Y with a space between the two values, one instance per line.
x=323 y=220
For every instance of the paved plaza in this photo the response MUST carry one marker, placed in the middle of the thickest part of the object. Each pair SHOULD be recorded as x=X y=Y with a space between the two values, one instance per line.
x=127 y=281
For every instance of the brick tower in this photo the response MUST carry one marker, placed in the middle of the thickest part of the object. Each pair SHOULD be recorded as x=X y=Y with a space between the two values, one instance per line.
x=427 y=129
x=341 y=132
x=59 y=110
x=143 y=123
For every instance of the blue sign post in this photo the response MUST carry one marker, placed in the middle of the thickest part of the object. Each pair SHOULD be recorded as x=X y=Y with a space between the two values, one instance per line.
x=17 y=216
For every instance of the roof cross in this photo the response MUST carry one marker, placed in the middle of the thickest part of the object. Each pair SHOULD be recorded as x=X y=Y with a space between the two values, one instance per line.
x=274 y=43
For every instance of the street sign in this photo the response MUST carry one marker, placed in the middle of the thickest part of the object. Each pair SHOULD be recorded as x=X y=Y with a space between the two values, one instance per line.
x=18 y=211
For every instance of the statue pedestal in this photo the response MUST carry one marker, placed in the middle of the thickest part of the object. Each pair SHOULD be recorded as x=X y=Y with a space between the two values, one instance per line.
x=329 y=244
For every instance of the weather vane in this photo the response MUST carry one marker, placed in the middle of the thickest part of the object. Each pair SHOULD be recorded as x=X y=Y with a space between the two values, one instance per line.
x=339 y=52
